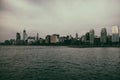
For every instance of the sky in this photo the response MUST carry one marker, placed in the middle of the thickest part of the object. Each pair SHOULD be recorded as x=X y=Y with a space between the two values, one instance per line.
x=62 y=17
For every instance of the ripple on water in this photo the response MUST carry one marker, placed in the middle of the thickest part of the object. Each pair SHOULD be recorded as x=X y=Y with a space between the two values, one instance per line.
x=59 y=63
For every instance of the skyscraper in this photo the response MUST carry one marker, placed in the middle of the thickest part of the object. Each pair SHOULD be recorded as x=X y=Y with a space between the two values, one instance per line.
x=18 y=37
x=103 y=38
x=24 y=35
x=92 y=36
x=87 y=37
x=37 y=37
x=76 y=35
x=115 y=34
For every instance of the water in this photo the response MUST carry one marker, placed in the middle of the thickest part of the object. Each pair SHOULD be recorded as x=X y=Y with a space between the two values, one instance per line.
x=59 y=63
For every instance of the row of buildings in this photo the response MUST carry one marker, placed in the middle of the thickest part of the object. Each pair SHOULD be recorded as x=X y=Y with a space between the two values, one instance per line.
x=104 y=38
x=88 y=39
x=50 y=39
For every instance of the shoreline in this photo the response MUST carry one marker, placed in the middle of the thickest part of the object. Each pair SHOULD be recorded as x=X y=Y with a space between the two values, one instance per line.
x=71 y=46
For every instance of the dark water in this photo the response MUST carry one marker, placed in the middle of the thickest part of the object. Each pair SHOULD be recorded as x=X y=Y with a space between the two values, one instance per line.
x=59 y=63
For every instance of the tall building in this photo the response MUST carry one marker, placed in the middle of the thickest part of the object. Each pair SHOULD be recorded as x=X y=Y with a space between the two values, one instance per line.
x=18 y=37
x=76 y=35
x=24 y=35
x=54 y=38
x=37 y=38
x=47 y=39
x=115 y=34
x=103 y=38
x=92 y=36
x=87 y=37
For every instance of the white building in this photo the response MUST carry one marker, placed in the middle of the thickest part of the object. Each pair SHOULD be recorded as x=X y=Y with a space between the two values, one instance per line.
x=92 y=36
x=115 y=34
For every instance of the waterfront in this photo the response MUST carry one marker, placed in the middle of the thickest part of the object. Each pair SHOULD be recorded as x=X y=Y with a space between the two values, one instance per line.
x=59 y=63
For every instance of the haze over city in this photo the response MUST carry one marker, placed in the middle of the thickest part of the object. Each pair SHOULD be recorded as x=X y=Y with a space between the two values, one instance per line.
x=57 y=16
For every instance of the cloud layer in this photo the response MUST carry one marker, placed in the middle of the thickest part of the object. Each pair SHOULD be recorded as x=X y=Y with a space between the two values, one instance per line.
x=57 y=16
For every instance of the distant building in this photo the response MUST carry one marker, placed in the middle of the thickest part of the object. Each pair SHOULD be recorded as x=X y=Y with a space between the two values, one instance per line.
x=18 y=37
x=83 y=38
x=37 y=38
x=12 y=41
x=92 y=36
x=103 y=38
x=31 y=40
x=97 y=41
x=41 y=41
x=7 y=42
x=54 y=39
x=87 y=37
x=115 y=34
x=47 y=39
x=70 y=37
x=63 y=39
x=24 y=35
x=76 y=35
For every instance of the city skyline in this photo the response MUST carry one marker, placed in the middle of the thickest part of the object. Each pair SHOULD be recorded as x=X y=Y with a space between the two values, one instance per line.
x=89 y=39
x=103 y=34
x=63 y=17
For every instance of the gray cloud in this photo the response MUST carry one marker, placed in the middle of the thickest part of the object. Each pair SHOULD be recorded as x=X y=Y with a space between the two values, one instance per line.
x=58 y=16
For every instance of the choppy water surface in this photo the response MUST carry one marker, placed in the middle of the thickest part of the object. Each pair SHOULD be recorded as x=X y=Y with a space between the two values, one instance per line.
x=59 y=63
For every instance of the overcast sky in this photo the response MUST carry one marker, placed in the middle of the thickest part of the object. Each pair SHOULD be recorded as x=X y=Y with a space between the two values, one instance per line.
x=57 y=16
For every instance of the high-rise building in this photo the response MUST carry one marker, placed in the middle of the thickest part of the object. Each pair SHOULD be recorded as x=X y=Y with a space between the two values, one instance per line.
x=103 y=38
x=92 y=36
x=47 y=39
x=76 y=35
x=37 y=38
x=54 y=38
x=24 y=35
x=87 y=37
x=18 y=37
x=115 y=34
